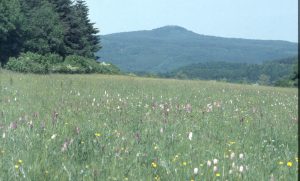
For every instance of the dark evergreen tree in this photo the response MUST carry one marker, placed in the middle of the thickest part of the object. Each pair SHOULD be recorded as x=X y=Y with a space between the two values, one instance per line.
x=10 y=29
x=88 y=41
x=65 y=11
x=44 y=32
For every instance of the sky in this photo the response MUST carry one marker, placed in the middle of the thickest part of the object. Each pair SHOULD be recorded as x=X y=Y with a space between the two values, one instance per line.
x=251 y=19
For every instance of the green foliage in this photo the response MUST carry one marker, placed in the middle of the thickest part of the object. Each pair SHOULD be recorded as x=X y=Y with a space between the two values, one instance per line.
x=10 y=29
x=44 y=31
x=29 y=63
x=45 y=27
x=53 y=63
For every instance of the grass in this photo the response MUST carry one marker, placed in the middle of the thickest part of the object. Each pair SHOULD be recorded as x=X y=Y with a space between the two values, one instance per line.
x=100 y=127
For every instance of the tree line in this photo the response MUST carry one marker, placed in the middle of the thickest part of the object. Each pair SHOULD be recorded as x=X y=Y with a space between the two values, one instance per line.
x=282 y=72
x=60 y=27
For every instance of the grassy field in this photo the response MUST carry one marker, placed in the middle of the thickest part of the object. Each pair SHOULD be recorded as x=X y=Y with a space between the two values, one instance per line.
x=100 y=127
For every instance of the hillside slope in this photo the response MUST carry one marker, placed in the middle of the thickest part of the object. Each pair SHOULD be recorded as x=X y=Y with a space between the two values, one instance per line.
x=170 y=47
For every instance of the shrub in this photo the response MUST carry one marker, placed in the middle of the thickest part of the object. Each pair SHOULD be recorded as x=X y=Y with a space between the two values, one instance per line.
x=28 y=63
x=53 y=63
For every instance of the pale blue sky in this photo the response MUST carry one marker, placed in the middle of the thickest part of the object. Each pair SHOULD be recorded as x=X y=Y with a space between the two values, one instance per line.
x=253 y=19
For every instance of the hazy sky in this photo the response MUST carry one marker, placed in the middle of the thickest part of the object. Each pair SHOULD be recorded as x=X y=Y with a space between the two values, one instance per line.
x=258 y=19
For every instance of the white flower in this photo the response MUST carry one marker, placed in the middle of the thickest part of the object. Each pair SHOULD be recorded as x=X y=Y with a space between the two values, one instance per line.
x=230 y=171
x=215 y=161
x=241 y=169
x=241 y=156
x=53 y=136
x=215 y=168
x=190 y=135
x=233 y=164
x=232 y=155
x=161 y=130
x=209 y=163
x=196 y=170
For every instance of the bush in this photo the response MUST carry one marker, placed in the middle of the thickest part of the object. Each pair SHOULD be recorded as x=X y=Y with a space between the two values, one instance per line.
x=53 y=63
x=28 y=63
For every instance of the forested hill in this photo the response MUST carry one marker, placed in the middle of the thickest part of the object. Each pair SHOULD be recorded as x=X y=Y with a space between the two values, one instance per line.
x=170 y=47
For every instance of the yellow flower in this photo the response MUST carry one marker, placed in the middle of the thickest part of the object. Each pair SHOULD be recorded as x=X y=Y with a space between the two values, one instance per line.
x=289 y=164
x=156 y=147
x=97 y=134
x=157 y=178
x=218 y=174
x=175 y=158
x=184 y=163
x=280 y=163
x=296 y=158
x=16 y=166
x=153 y=164
x=125 y=178
x=20 y=161
x=232 y=142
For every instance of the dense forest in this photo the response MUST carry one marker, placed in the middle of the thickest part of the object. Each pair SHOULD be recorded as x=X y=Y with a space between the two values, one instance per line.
x=44 y=36
x=282 y=72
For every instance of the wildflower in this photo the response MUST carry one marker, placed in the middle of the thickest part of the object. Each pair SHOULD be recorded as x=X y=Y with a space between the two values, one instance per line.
x=20 y=161
x=218 y=174
x=215 y=169
x=208 y=163
x=155 y=147
x=289 y=164
x=241 y=169
x=184 y=163
x=175 y=158
x=53 y=136
x=241 y=156
x=232 y=155
x=280 y=163
x=161 y=130
x=230 y=171
x=156 y=177
x=16 y=166
x=232 y=142
x=153 y=164
x=196 y=170
x=233 y=164
x=97 y=134
x=296 y=158
x=215 y=161
x=190 y=135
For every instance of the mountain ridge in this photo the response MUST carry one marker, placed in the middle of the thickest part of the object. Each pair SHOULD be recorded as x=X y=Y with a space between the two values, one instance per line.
x=170 y=47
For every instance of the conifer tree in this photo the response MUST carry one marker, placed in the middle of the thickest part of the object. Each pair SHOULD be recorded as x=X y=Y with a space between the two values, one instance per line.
x=10 y=29
x=88 y=40
x=44 y=32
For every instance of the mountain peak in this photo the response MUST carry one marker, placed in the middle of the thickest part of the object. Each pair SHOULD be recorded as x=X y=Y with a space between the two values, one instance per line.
x=170 y=28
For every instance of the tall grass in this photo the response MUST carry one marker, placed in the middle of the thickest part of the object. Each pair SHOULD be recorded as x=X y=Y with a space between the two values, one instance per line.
x=99 y=127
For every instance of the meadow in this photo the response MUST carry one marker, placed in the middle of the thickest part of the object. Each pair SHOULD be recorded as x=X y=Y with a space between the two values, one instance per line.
x=104 y=127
